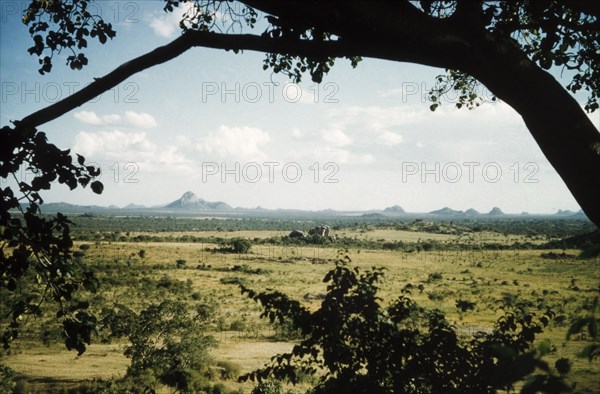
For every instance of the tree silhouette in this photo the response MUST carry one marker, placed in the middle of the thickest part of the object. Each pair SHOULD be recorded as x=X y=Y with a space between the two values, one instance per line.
x=36 y=263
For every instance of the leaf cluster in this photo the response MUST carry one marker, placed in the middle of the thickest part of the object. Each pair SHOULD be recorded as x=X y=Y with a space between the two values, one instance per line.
x=36 y=262
x=210 y=15
x=57 y=25
x=551 y=33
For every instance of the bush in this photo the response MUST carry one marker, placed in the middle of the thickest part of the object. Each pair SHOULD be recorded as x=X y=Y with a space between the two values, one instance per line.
x=434 y=276
x=436 y=296
x=236 y=245
x=180 y=264
x=232 y=280
x=229 y=370
x=7 y=379
x=240 y=245
x=465 y=306
x=181 y=354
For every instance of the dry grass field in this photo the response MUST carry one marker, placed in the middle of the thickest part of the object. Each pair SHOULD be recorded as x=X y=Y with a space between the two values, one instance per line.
x=487 y=278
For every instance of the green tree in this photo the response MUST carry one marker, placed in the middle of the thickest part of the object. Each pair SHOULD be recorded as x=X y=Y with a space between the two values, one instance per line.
x=167 y=341
x=240 y=245
x=356 y=345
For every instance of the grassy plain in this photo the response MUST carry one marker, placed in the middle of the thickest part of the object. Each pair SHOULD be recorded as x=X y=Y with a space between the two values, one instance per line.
x=489 y=278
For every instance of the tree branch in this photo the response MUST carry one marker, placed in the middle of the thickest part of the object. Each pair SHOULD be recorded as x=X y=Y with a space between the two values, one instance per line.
x=341 y=48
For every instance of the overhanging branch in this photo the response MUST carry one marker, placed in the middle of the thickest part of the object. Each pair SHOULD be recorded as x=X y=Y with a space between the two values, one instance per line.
x=190 y=39
x=175 y=48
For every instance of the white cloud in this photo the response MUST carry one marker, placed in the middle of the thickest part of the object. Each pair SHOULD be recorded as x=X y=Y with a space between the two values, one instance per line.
x=336 y=137
x=135 y=147
x=114 y=144
x=364 y=159
x=389 y=138
x=335 y=155
x=135 y=119
x=171 y=158
x=140 y=119
x=167 y=24
x=377 y=119
x=235 y=142
x=409 y=91
x=90 y=117
x=183 y=141
x=297 y=133
x=111 y=119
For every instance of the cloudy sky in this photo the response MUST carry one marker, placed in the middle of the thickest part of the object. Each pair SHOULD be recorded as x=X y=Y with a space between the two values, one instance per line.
x=215 y=123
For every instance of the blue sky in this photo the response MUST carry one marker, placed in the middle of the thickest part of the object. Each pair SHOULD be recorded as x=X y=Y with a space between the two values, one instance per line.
x=215 y=123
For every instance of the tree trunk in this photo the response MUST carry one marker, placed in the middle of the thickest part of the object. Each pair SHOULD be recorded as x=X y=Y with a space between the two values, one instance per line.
x=559 y=125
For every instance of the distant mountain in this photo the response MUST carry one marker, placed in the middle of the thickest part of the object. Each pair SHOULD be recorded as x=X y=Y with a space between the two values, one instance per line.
x=134 y=206
x=446 y=211
x=372 y=215
x=394 y=209
x=192 y=202
x=566 y=212
x=71 y=208
x=579 y=214
x=495 y=212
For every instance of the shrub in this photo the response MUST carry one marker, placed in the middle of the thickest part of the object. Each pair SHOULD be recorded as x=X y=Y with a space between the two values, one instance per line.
x=240 y=245
x=434 y=276
x=229 y=370
x=436 y=296
x=7 y=379
x=464 y=305
x=167 y=341
x=232 y=280
x=180 y=264
x=563 y=366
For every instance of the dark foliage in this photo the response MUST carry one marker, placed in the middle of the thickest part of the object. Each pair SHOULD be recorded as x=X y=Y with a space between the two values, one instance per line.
x=66 y=25
x=36 y=261
x=356 y=345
